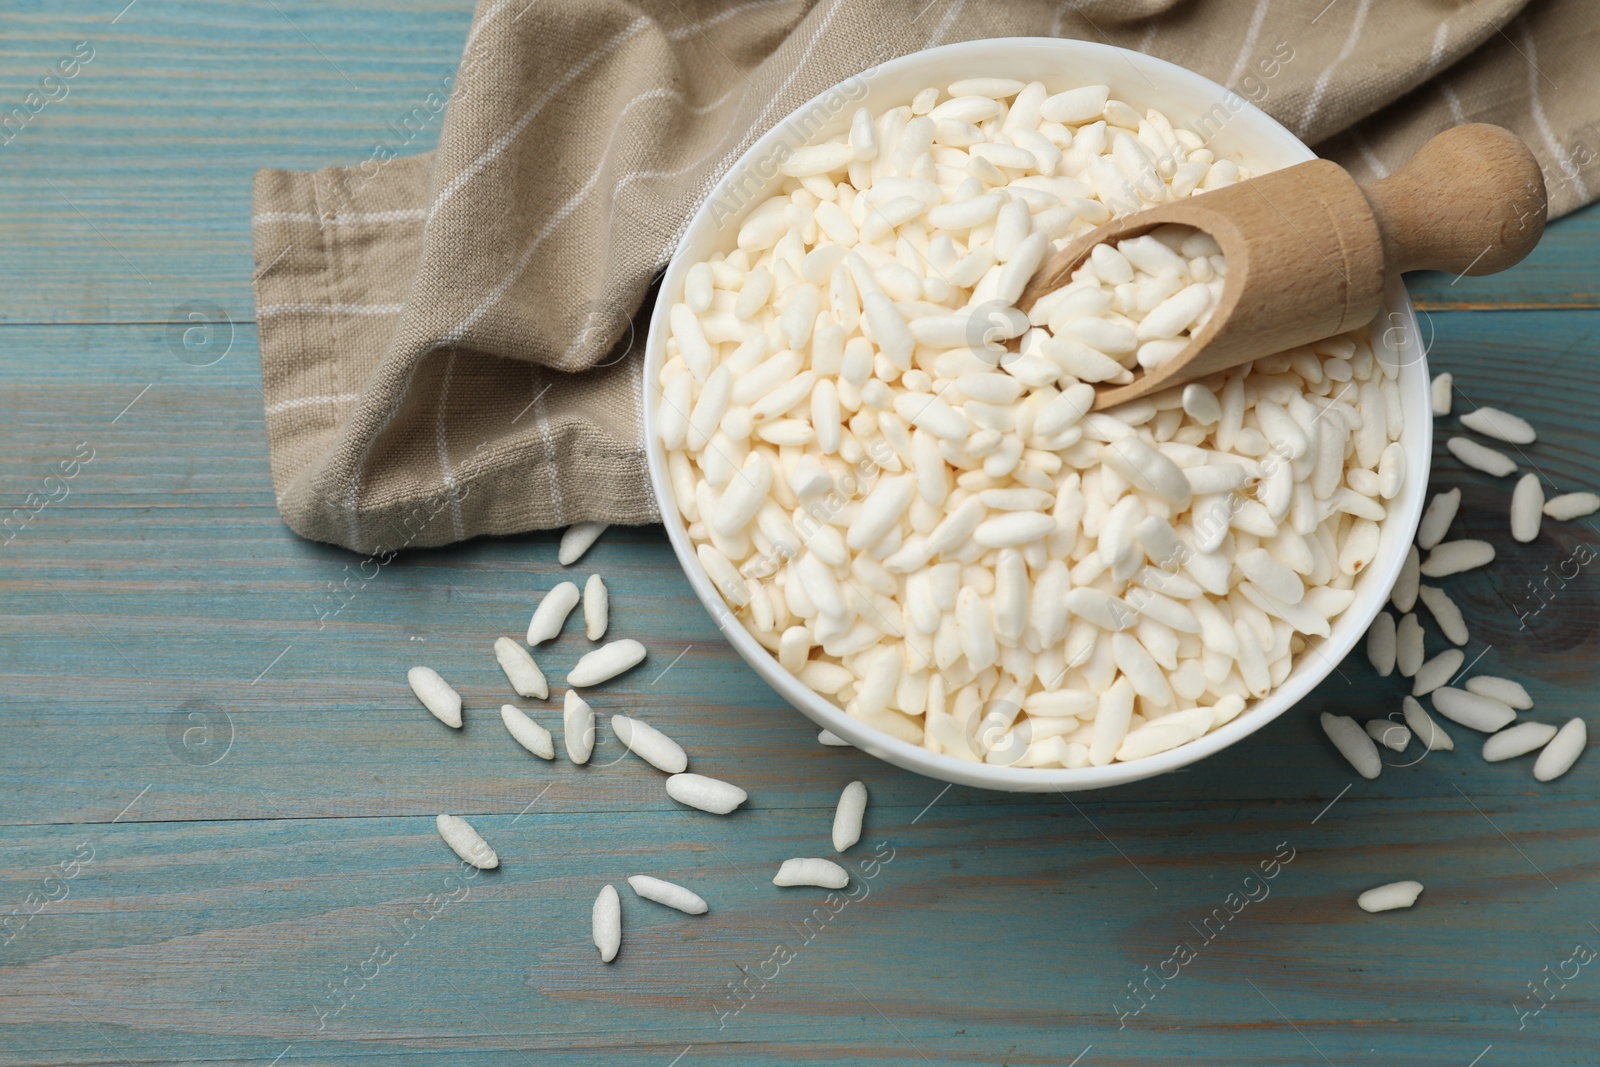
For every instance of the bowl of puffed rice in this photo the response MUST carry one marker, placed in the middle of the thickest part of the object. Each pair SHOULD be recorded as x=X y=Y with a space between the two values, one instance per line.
x=885 y=480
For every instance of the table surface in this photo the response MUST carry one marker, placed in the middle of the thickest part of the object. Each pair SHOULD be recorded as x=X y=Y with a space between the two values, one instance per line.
x=218 y=793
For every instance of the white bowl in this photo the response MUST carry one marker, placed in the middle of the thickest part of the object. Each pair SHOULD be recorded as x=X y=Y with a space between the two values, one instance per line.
x=1250 y=137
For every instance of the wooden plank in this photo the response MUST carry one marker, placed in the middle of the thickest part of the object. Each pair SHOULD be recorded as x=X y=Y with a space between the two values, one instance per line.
x=130 y=196
x=1008 y=934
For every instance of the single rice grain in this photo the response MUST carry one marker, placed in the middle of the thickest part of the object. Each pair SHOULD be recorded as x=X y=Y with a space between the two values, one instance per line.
x=1501 y=425
x=1389 y=734
x=527 y=733
x=1353 y=744
x=596 y=608
x=1381 y=644
x=1518 y=740
x=1504 y=690
x=1391 y=896
x=1429 y=733
x=1571 y=506
x=1439 y=393
x=1408 y=645
x=707 y=794
x=552 y=612
x=811 y=871
x=649 y=744
x=1471 y=710
x=1445 y=613
x=436 y=695
x=466 y=842
x=607 y=923
x=1437 y=671
x=1453 y=557
x=1562 y=751
x=848 y=815
x=606 y=662
x=576 y=539
x=1437 y=518
x=1527 y=508
x=1404 y=593
x=577 y=728
x=526 y=679
x=1480 y=457
x=669 y=893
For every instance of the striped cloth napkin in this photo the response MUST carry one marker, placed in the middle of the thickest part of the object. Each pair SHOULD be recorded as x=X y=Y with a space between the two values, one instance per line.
x=451 y=342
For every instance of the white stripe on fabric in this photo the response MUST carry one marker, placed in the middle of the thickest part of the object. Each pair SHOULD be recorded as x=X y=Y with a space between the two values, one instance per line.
x=501 y=143
x=1249 y=45
x=1440 y=36
x=1563 y=160
x=944 y=24
x=1370 y=156
x=1323 y=79
x=550 y=458
x=353 y=218
x=274 y=310
x=1457 y=112
x=312 y=401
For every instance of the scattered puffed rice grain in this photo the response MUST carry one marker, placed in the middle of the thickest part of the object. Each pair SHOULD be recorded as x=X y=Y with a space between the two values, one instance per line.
x=847 y=816
x=466 y=842
x=649 y=744
x=1391 y=896
x=1507 y=692
x=1501 y=425
x=669 y=893
x=1518 y=740
x=1439 y=393
x=1353 y=744
x=576 y=539
x=1424 y=729
x=596 y=608
x=1527 y=508
x=606 y=662
x=1437 y=671
x=1571 y=506
x=1408 y=646
x=577 y=728
x=832 y=740
x=1389 y=734
x=526 y=679
x=552 y=612
x=1437 y=519
x=817 y=872
x=1381 y=644
x=1453 y=557
x=529 y=734
x=1471 y=710
x=1404 y=593
x=607 y=921
x=707 y=794
x=436 y=695
x=1562 y=751
x=1480 y=457
x=1445 y=613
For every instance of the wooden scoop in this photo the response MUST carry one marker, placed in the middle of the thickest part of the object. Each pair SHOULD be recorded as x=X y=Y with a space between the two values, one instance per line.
x=1309 y=248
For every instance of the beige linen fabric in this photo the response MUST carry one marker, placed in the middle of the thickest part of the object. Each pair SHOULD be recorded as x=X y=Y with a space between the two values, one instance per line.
x=451 y=342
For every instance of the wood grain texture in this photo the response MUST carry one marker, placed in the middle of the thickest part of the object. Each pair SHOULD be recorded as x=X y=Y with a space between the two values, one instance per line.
x=217 y=791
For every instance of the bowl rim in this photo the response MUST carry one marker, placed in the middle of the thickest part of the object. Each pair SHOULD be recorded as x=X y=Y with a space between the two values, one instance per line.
x=1404 y=511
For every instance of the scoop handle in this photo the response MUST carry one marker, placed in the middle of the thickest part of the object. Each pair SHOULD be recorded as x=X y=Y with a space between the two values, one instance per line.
x=1471 y=201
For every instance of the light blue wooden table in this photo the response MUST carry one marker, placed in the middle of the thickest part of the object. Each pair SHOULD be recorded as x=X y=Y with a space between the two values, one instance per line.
x=218 y=810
